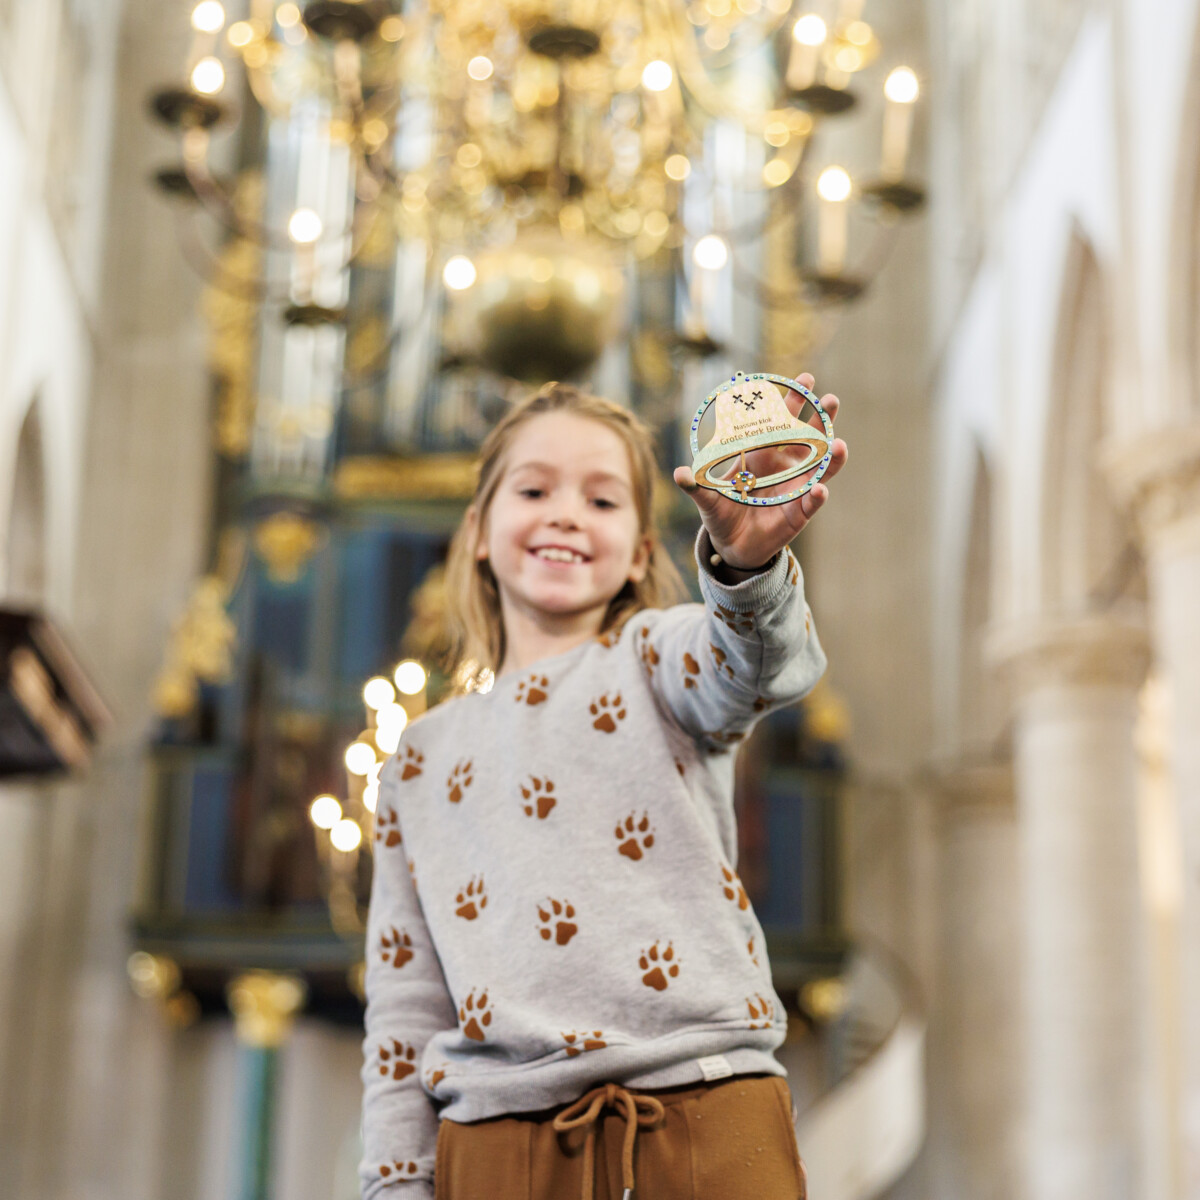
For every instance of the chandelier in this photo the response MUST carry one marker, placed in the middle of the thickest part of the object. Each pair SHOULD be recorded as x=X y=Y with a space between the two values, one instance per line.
x=533 y=149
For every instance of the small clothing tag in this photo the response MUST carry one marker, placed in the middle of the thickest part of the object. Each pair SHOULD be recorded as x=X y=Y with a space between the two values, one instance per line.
x=715 y=1066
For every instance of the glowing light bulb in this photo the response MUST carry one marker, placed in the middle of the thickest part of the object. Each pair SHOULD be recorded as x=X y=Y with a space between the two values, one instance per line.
x=458 y=274
x=208 y=16
x=287 y=15
x=410 y=677
x=657 y=75
x=241 y=33
x=378 y=693
x=390 y=723
x=360 y=758
x=480 y=67
x=304 y=226
x=345 y=835
x=325 y=812
x=371 y=796
x=677 y=167
x=901 y=86
x=710 y=252
x=809 y=30
x=833 y=184
x=208 y=76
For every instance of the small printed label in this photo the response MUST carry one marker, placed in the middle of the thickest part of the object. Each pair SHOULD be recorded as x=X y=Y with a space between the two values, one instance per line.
x=715 y=1066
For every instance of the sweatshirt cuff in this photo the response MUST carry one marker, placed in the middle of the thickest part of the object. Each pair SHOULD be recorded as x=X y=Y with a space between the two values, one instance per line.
x=759 y=591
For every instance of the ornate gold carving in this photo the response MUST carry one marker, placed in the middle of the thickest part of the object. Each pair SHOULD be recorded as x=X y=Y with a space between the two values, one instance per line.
x=285 y=542
x=264 y=1004
x=431 y=477
x=200 y=649
x=157 y=977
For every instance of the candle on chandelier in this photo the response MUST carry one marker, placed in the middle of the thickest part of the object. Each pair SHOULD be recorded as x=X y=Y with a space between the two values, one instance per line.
x=901 y=91
x=208 y=19
x=808 y=36
x=833 y=188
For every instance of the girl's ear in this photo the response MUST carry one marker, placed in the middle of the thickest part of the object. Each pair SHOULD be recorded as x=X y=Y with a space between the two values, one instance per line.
x=641 y=559
x=477 y=534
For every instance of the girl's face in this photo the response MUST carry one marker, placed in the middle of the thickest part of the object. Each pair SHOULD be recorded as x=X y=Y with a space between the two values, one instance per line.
x=561 y=533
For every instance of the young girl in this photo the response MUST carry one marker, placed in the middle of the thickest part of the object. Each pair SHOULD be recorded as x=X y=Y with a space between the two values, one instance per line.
x=561 y=960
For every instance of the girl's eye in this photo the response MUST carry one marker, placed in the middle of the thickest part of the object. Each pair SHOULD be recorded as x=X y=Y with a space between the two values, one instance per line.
x=532 y=492
x=600 y=502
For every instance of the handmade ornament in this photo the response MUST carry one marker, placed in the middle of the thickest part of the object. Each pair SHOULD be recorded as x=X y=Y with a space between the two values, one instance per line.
x=751 y=414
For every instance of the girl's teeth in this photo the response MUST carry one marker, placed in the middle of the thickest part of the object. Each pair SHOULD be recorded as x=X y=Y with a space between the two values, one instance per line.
x=559 y=555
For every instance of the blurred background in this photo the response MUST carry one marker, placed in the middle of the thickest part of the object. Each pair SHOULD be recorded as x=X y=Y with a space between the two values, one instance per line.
x=268 y=274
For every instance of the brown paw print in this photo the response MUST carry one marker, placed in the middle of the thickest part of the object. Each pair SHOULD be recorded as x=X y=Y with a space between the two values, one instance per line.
x=557 y=913
x=649 y=656
x=475 y=1016
x=633 y=835
x=762 y=1011
x=577 y=1042
x=691 y=668
x=397 y=1060
x=731 y=885
x=537 y=797
x=387 y=827
x=410 y=763
x=679 y=768
x=395 y=1167
x=760 y=703
x=435 y=1076
x=459 y=780
x=396 y=947
x=607 y=713
x=609 y=638
x=752 y=952
x=721 y=659
x=660 y=966
x=532 y=690
x=739 y=622
x=793 y=570
x=472 y=900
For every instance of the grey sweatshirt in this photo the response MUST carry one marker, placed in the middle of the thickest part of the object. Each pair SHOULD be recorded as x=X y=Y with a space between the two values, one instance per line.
x=555 y=901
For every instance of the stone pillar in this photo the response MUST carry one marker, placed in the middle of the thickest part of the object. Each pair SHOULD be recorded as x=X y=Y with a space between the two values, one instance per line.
x=975 y=1037
x=1076 y=783
x=1164 y=496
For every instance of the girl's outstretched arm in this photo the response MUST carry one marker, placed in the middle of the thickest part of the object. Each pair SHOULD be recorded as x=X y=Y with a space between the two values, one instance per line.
x=407 y=1003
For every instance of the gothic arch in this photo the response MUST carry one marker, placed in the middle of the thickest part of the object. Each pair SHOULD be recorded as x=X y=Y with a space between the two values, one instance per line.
x=1089 y=558
x=25 y=543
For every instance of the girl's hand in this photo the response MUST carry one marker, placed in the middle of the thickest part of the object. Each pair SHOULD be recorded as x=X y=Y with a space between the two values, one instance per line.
x=748 y=537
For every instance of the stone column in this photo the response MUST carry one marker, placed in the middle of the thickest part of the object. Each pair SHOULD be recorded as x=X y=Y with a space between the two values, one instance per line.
x=1163 y=492
x=1076 y=778
x=975 y=1039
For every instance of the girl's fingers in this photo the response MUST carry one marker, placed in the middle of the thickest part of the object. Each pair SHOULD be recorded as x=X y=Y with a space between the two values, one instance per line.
x=705 y=499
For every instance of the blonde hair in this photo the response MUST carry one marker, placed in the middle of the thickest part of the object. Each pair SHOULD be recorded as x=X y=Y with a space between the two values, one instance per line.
x=473 y=614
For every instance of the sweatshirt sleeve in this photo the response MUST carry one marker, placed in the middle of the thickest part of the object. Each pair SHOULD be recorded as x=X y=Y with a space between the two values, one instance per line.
x=407 y=1003
x=751 y=647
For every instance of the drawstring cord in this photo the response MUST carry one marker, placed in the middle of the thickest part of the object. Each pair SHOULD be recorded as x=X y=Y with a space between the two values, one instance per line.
x=609 y=1095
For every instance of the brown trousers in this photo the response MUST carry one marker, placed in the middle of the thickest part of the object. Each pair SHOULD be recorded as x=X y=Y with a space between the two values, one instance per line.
x=732 y=1140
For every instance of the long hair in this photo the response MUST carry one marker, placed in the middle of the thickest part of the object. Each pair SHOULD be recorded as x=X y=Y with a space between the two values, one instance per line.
x=473 y=615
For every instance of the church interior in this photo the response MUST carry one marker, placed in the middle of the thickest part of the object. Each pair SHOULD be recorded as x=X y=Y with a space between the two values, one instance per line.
x=270 y=272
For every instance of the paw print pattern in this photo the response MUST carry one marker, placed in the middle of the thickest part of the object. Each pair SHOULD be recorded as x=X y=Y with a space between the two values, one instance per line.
x=739 y=622
x=395 y=947
x=753 y=953
x=387 y=828
x=634 y=836
x=659 y=966
x=609 y=638
x=472 y=900
x=760 y=703
x=475 y=1015
x=459 y=780
x=397 y=1060
x=607 y=713
x=434 y=1076
x=537 y=796
x=761 y=1010
x=793 y=570
x=410 y=763
x=578 y=1043
x=649 y=656
x=721 y=659
x=679 y=768
x=691 y=668
x=559 y=914
x=532 y=690
x=731 y=885
x=395 y=1167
